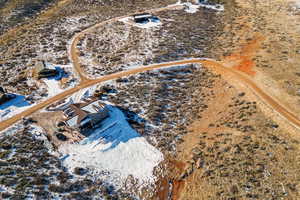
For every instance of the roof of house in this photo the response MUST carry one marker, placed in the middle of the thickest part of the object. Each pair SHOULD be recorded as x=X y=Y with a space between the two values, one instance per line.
x=142 y=15
x=2 y=90
x=41 y=65
x=2 y=93
x=80 y=112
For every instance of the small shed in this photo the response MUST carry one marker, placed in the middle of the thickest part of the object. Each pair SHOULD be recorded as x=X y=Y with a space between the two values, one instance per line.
x=142 y=18
x=43 y=71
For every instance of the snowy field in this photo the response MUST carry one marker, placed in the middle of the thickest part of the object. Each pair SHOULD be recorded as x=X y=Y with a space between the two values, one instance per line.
x=192 y=8
x=53 y=87
x=53 y=83
x=114 y=151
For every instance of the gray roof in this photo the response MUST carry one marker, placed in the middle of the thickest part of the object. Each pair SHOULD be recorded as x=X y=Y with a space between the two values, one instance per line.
x=2 y=90
x=82 y=112
x=40 y=66
x=142 y=15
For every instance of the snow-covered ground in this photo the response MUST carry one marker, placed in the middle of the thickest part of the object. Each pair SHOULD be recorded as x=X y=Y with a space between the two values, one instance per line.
x=216 y=7
x=116 y=149
x=13 y=107
x=53 y=87
x=193 y=8
x=53 y=83
x=82 y=94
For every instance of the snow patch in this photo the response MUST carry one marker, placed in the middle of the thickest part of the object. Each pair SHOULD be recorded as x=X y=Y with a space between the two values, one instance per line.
x=53 y=83
x=13 y=107
x=217 y=7
x=39 y=134
x=82 y=94
x=193 y=8
x=115 y=148
x=53 y=87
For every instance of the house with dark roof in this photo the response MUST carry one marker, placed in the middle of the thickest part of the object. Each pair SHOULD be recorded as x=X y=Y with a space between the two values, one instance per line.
x=85 y=116
x=4 y=96
x=142 y=18
x=43 y=71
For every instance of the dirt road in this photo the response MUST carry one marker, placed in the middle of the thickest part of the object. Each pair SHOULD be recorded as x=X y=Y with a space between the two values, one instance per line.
x=73 y=54
x=214 y=65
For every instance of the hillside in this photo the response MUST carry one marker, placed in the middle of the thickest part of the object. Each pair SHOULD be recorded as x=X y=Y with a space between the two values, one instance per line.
x=162 y=100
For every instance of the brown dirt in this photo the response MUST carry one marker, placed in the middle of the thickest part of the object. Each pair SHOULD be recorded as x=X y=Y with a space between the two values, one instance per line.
x=11 y=33
x=246 y=52
x=163 y=186
x=178 y=187
x=214 y=112
x=50 y=127
x=238 y=69
x=163 y=189
x=197 y=187
x=277 y=60
x=243 y=60
x=244 y=64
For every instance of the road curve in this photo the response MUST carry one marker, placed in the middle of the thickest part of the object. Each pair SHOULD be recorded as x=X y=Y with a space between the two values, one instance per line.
x=73 y=54
x=276 y=106
x=86 y=82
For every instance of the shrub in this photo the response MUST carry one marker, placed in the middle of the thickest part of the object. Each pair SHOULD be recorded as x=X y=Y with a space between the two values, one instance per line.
x=79 y=171
x=4 y=154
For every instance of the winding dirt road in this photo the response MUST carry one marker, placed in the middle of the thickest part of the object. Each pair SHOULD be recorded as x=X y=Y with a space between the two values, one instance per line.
x=214 y=65
x=73 y=54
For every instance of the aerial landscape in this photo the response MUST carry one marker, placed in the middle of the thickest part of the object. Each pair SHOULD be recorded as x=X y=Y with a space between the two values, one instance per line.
x=150 y=99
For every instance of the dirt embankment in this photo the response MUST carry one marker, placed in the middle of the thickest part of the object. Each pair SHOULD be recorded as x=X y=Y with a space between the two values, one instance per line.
x=231 y=148
x=274 y=66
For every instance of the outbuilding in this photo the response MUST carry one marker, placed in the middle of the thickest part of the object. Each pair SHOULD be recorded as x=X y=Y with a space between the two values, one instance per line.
x=43 y=71
x=142 y=18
